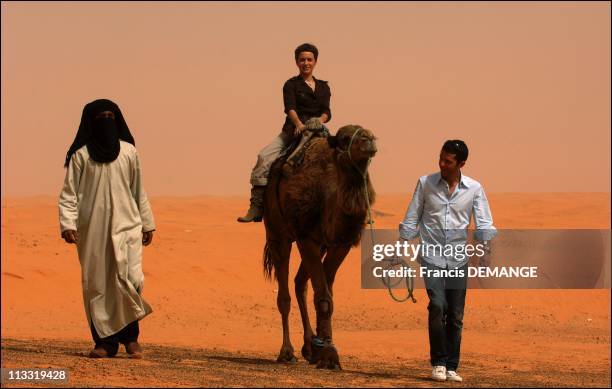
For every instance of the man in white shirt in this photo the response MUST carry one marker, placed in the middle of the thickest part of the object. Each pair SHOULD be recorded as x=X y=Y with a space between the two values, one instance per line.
x=439 y=213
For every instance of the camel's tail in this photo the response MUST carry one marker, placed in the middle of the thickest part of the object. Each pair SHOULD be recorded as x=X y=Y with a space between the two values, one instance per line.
x=268 y=262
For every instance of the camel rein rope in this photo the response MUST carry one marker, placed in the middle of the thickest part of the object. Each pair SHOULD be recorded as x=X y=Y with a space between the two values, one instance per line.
x=392 y=262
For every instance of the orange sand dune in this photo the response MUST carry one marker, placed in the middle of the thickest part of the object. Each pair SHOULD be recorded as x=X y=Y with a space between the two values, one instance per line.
x=205 y=283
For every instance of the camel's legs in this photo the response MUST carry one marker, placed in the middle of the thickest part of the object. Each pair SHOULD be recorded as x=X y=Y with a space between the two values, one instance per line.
x=334 y=258
x=301 y=288
x=311 y=261
x=281 y=252
x=301 y=292
x=326 y=354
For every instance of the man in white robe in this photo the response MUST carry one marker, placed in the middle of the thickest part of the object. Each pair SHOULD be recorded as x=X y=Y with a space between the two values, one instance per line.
x=104 y=210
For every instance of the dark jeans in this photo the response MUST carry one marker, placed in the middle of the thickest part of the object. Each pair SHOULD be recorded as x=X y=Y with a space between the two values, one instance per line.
x=111 y=343
x=446 y=303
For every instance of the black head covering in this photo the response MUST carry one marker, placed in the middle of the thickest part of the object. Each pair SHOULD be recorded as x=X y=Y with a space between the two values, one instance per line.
x=102 y=135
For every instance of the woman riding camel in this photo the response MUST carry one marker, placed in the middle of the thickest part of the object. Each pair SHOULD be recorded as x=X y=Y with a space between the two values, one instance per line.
x=306 y=102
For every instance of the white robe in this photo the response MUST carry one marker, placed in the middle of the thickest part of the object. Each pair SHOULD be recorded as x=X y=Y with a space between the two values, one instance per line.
x=107 y=205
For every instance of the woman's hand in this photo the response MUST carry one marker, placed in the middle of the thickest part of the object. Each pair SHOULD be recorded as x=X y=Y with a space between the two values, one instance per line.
x=299 y=129
x=313 y=124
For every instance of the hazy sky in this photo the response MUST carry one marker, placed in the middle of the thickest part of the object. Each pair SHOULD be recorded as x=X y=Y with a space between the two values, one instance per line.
x=526 y=85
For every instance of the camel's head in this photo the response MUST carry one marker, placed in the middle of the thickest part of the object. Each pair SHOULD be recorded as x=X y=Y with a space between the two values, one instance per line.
x=361 y=141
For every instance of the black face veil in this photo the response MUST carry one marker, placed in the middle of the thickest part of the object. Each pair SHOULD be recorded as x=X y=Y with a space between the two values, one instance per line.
x=101 y=136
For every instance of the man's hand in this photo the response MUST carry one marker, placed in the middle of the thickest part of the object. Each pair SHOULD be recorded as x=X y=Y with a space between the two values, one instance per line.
x=485 y=260
x=70 y=236
x=147 y=237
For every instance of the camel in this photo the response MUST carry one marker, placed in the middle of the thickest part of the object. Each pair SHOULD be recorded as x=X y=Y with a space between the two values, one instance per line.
x=321 y=205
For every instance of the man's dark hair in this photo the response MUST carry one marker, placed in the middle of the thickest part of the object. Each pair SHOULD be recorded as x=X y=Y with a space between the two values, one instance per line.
x=306 y=47
x=457 y=147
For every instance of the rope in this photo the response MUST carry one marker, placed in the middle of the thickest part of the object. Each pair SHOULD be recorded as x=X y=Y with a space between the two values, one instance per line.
x=392 y=262
x=409 y=282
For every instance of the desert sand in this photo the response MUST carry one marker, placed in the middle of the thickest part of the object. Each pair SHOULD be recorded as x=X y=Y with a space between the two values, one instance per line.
x=215 y=320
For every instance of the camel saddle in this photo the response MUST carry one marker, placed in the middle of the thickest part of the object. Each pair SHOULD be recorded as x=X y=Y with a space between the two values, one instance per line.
x=293 y=156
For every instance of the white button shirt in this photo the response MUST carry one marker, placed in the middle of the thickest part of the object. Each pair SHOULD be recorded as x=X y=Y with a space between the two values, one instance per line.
x=441 y=219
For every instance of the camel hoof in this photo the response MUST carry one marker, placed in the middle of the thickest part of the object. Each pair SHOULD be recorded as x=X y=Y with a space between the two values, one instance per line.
x=307 y=352
x=316 y=346
x=324 y=354
x=286 y=356
x=328 y=358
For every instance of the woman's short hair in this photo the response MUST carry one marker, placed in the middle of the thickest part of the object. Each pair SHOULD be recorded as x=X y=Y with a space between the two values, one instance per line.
x=306 y=47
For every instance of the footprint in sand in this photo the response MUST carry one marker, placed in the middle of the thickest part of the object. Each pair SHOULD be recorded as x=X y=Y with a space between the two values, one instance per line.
x=4 y=273
x=381 y=213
